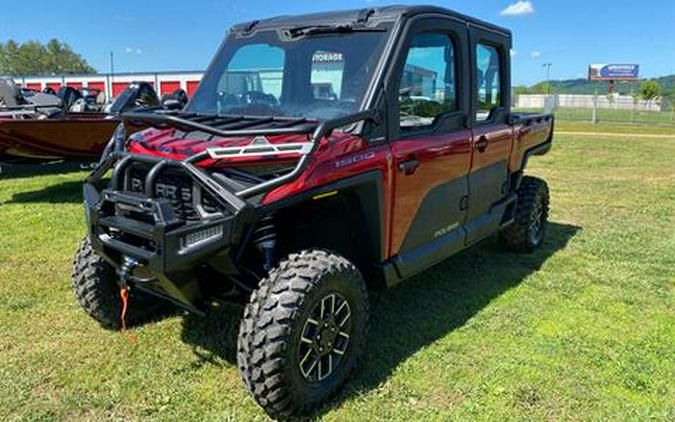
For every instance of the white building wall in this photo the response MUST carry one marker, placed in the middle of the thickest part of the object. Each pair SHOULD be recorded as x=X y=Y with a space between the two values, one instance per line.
x=616 y=102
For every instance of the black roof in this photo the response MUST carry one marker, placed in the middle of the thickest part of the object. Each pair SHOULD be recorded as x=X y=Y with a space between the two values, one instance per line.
x=378 y=14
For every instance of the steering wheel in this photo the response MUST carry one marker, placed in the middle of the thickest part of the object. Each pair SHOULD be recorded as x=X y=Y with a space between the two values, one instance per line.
x=259 y=98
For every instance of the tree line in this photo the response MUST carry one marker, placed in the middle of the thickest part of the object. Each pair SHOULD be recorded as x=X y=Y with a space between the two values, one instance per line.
x=37 y=59
x=648 y=90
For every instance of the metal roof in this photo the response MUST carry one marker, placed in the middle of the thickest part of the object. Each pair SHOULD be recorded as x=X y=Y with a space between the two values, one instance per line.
x=377 y=14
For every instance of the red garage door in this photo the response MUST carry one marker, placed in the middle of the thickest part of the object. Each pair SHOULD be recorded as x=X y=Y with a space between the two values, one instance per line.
x=54 y=85
x=167 y=87
x=192 y=87
x=97 y=85
x=118 y=87
x=76 y=85
x=37 y=86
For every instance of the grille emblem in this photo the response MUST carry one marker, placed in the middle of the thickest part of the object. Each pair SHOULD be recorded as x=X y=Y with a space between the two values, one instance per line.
x=260 y=140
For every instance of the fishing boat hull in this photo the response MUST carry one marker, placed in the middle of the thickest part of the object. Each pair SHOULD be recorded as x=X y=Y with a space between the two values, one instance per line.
x=74 y=137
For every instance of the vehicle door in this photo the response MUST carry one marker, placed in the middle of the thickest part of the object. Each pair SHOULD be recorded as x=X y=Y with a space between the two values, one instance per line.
x=430 y=143
x=492 y=136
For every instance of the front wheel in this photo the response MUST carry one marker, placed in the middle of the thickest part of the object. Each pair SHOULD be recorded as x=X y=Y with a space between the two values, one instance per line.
x=527 y=231
x=303 y=332
x=95 y=286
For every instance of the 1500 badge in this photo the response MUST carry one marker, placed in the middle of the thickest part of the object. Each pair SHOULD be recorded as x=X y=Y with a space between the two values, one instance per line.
x=354 y=159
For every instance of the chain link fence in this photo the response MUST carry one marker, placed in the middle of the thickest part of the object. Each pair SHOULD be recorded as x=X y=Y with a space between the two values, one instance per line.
x=617 y=109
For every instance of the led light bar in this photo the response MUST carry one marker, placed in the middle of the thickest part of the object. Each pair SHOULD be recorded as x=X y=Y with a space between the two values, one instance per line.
x=201 y=237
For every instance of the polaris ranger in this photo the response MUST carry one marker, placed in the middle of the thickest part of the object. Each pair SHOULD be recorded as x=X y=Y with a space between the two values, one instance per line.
x=321 y=156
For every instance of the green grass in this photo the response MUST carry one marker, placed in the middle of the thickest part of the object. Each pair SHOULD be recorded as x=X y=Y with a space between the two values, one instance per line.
x=577 y=126
x=666 y=118
x=583 y=329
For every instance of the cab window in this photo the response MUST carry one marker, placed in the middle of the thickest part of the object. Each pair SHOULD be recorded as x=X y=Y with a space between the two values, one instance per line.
x=488 y=81
x=428 y=87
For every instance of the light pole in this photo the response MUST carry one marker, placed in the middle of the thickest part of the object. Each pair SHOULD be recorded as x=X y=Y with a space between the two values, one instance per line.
x=548 y=77
x=111 y=77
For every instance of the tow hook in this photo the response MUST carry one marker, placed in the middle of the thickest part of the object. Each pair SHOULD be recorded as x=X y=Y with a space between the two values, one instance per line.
x=125 y=271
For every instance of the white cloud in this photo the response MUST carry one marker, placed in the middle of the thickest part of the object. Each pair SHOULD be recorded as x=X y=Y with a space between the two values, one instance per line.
x=132 y=50
x=514 y=53
x=518 y=8
x=535 y=54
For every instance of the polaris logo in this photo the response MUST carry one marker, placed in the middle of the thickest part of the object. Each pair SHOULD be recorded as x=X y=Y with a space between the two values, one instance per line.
x=260 y=140
x=163 y=190
x=445 y=230
x=354 y=159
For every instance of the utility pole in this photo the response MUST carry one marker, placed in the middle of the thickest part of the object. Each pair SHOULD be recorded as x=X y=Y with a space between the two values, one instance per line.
x=112 y=74
x=549 y=103
x=548 y=77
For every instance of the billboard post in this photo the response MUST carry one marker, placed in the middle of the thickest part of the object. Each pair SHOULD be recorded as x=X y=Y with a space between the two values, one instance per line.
x=611 y=73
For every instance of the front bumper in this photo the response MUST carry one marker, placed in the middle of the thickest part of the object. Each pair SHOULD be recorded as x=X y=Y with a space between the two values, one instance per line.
x=145 y=229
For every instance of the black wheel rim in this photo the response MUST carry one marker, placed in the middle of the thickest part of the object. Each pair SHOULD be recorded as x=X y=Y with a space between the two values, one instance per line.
x=325 y=337
x=537 y=221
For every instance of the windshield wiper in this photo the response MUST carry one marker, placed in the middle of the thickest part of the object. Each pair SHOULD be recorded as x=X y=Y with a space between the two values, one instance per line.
x=309 y=30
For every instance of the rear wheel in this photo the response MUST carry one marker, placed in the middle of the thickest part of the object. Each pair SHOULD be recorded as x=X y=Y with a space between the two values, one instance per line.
x=531 y=217
x=303 y=332
x=96 y=288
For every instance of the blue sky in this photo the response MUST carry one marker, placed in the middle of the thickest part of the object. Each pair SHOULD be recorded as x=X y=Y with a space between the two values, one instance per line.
x=156 y=35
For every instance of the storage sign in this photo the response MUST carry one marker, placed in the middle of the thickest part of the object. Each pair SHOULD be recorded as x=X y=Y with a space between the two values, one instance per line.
x=613 y=72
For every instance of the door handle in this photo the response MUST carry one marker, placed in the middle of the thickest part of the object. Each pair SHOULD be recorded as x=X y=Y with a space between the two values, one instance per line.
x=481 y=144
x=408 y=167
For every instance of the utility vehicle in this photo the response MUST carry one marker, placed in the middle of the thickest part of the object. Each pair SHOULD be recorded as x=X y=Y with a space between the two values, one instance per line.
x=322 y=155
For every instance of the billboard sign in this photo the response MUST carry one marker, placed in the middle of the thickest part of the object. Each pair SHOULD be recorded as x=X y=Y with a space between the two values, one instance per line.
x=613 y=72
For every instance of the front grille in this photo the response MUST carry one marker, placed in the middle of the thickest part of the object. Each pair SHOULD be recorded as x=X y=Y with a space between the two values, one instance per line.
x=179 y=189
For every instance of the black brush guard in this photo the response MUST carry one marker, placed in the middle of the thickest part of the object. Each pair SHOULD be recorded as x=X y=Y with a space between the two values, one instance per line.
x=159 y=252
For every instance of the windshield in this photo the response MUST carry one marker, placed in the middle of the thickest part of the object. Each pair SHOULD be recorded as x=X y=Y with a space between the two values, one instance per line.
x=318 y=77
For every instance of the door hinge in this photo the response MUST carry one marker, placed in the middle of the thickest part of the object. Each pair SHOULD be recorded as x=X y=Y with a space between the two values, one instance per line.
x=464 y=203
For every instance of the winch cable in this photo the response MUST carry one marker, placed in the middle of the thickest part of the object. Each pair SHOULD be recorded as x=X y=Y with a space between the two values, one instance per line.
x=124 y=295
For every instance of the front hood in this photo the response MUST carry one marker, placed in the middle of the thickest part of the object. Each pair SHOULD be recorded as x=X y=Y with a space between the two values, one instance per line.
x=178 y=144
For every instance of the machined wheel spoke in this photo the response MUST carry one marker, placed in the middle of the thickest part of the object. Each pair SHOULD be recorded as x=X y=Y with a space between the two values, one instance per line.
x=343 y=334
x=342 y=323
x=330 y=365
x=341 y=307
x=306 y=340
x=308 y=355
x=311 y=368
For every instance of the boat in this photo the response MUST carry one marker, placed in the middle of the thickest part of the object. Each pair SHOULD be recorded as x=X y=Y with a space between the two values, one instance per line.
x=70 y=125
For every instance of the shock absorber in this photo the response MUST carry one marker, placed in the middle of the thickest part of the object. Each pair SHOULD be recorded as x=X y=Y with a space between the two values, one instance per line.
x=265 y=239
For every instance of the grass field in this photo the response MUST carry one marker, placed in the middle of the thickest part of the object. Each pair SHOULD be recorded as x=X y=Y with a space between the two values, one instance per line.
x=583 y=329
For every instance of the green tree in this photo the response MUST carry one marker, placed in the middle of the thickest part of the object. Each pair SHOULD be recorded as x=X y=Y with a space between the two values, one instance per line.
x=35 y=58
x=650 y=90
x=520 y=90
x=541 y=88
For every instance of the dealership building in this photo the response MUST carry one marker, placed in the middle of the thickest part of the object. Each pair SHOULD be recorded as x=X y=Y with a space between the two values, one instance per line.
x=112 y=85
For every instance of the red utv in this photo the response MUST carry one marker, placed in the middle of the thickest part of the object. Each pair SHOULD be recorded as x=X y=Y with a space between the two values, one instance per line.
x=322 y=155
